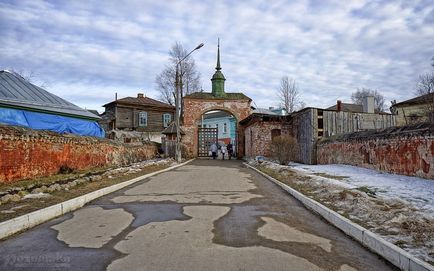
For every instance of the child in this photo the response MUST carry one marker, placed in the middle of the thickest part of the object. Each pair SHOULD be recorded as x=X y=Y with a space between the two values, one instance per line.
x=223 y=150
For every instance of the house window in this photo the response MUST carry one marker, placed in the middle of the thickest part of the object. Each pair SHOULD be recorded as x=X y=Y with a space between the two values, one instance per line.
x=225 y=128
x=143 y=119
x=167 y=118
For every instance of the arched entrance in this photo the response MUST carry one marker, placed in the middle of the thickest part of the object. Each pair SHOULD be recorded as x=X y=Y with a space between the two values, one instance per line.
x=195 y=109
x=219 y=127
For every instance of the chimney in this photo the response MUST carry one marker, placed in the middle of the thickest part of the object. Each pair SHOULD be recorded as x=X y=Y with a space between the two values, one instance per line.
x=139 y=95
x=116 y=96
x=339 y=105
x=368 y=104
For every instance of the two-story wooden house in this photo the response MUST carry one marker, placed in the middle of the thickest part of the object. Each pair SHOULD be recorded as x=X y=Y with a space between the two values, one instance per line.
x=140 y=114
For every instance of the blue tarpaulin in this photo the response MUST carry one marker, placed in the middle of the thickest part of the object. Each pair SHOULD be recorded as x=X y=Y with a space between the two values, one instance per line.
x=56 y=123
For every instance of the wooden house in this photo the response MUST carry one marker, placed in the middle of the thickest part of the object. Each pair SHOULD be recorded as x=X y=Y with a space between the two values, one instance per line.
x=141 y=114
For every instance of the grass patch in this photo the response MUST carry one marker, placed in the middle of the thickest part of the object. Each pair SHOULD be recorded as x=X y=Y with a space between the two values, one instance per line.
x=369 y=191
x=30 y=205
x=335 y=177
x=40 y=181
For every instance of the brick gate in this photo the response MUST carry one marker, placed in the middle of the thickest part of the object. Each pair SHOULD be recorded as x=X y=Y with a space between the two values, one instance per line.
x=197 y=104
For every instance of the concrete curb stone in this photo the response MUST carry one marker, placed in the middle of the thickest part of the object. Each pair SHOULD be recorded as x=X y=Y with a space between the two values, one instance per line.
x=394 y=254
x=27 y=221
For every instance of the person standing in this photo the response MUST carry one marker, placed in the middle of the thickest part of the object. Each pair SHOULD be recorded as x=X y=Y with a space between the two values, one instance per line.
x=230 y=150
x=213 y=150
x=223 y=150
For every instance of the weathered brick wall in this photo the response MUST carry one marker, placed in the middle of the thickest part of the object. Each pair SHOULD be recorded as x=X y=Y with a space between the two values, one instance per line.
x=258 y=137
x=407 y=150
x=26 y=153
x=195 y=108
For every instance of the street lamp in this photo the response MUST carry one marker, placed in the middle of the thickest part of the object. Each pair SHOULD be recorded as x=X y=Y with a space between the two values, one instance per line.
x=177 y=84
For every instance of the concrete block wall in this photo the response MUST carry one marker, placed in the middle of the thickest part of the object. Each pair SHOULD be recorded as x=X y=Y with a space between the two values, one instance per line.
x=407 y=150
x=26 y=153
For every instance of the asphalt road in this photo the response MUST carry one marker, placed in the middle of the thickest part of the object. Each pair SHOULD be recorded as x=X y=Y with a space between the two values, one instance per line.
x=207 y=215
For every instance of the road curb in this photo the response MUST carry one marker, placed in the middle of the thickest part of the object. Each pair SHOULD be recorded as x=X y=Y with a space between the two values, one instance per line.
x=397 y=256
x=27 y=221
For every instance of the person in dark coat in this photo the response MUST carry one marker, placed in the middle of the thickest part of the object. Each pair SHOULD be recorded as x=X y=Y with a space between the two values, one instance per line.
x=230 y=150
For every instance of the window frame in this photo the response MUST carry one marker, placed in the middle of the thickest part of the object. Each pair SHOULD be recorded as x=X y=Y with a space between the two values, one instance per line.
x=141 y=114
x=166 y=124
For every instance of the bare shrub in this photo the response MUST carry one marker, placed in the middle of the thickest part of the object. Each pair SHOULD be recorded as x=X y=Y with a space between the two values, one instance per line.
x=284 y=149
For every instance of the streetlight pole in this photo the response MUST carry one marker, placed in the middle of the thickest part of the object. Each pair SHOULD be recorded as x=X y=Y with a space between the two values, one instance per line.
x=178 y=155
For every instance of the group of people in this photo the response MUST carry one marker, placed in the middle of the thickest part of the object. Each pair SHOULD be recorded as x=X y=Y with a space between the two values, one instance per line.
x=224 y=149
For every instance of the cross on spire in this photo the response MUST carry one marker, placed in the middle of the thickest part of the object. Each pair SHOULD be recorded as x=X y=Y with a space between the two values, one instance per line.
x=218 y=79
x=218 y=55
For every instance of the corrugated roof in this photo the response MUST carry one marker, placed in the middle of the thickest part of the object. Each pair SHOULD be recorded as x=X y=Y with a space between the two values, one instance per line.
x=15 y=91
x=142 y=101
x=264 y=111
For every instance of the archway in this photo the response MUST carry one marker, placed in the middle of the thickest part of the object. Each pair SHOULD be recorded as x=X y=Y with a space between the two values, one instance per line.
x=217 y=127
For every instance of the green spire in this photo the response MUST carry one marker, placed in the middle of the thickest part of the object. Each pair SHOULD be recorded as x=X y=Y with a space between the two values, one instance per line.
x=218 y=79
x=218 y=56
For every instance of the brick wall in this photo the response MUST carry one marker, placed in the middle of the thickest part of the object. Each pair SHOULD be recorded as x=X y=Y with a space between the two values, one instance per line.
x=406 y=150
x=258 y=137
x=26 y=153
x=195 y=108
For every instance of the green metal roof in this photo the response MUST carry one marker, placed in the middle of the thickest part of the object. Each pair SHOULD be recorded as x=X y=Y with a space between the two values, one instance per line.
x=16 y=92
x=210 y=96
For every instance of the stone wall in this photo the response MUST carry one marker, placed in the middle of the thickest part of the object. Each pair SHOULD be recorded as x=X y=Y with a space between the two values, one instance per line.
x=26 y=153
x=258 y=137
x=407 y=150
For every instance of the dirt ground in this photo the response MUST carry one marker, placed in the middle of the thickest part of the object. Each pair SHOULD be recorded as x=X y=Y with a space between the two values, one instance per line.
x=395 y=220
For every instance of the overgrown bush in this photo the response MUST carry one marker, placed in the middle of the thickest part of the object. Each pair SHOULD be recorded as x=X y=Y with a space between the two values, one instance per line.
x=284 y=149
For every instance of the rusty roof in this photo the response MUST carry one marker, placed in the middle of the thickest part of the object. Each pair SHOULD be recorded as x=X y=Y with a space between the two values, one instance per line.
x=427 y=98
x=144 y=101
x=171 y=129
x=355 y=108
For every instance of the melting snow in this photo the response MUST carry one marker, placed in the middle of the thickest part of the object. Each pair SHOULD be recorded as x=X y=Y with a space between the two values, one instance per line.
x=417 y=191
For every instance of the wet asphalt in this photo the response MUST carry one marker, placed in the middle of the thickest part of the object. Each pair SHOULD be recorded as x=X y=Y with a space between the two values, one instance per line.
x=209 y=214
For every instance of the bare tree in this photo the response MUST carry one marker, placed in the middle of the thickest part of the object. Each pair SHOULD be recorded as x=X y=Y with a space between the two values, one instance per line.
x=361 y=93
x=189 y=76
x=425 y=86
x=289 y=95
x=30 y=76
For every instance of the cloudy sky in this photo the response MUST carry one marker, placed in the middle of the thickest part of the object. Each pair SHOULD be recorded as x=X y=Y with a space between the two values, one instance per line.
x=87 y=50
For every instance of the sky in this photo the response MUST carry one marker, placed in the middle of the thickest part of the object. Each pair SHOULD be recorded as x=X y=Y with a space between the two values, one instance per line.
x=85 y=51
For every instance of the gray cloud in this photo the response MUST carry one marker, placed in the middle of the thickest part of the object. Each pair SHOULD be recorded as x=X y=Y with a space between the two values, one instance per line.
x=87 y=50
